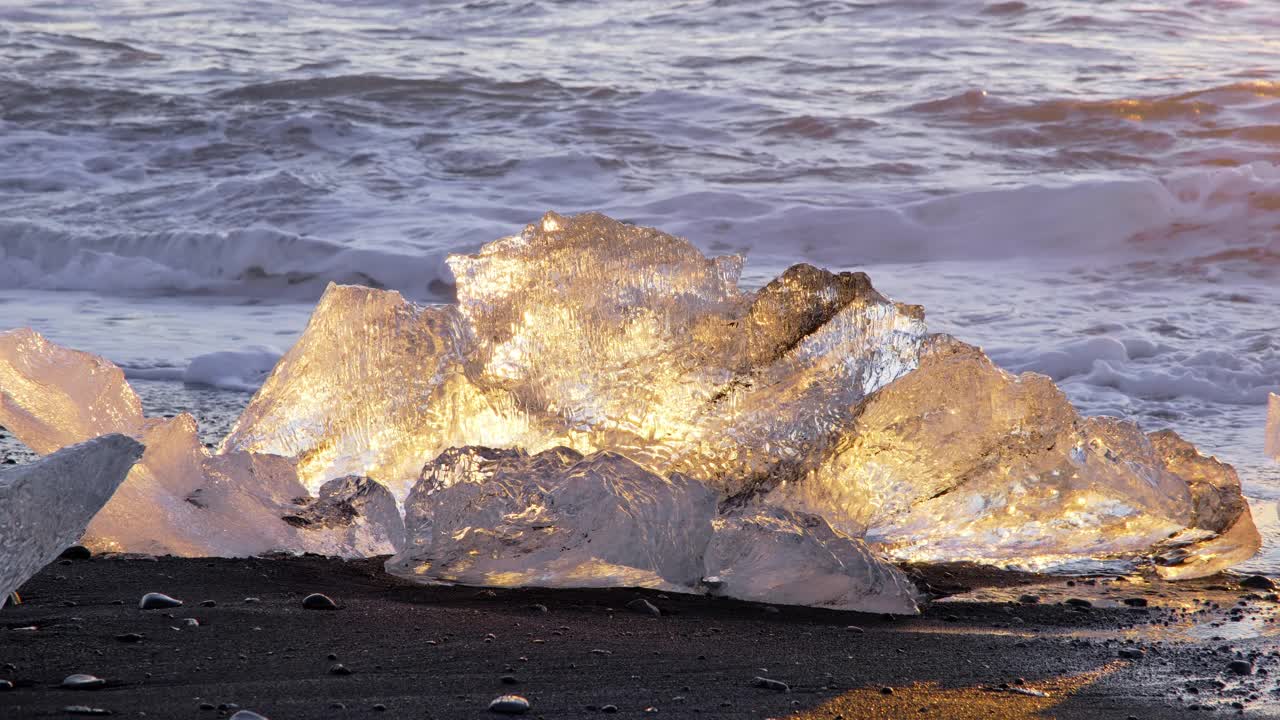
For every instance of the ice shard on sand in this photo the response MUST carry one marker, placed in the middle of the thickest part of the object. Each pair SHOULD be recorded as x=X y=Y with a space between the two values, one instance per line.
x=604 y=405
x=45 y=505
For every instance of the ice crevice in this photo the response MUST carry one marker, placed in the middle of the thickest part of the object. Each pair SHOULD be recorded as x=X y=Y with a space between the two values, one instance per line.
x=604 y=406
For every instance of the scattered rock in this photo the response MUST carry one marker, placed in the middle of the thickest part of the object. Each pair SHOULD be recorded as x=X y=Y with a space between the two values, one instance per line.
x=247 y=715
x=1135 y=602
x=191 y=622
x=609 y=709
x=339 y=669
x=379 y=708
x=252 y=601
x=85 y=710
x=157 y=601
x=317 y=601
x=539 y=608
x=886 y=691
x=1028 y=599
x=509 y=680
x=854 y=629
x=1078 y=602
x=644 y=607
x=770 y=684
x=1241 y=667
x=76 y=552
x=1131 y=653
x=129 y=637
x=81 y=681
x=208 y=603
x=1259 y=582
x=509 y=705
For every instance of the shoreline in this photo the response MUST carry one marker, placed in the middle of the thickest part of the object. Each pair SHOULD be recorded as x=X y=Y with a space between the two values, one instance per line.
x=441 y=652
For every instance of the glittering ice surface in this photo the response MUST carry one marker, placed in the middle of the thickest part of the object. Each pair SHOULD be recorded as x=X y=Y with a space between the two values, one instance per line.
x=605 y=406
x=45 y=505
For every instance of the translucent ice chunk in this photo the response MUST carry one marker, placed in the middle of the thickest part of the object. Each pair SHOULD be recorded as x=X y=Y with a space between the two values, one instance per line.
x=555 y=519
x=60 y=397
x=586 y=333
x=773 y=555
x=365 y=391
x=179 y=499
x=45 y=505
x=959 y=460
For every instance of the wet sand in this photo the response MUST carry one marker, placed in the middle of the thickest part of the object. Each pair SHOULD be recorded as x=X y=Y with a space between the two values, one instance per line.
x=442 y=652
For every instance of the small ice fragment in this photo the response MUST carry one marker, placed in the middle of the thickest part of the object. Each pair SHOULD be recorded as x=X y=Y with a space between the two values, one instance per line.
x=45 y=505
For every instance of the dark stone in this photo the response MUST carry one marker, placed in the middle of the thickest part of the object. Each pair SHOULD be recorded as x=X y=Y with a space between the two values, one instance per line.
x=1135 y=602
x=1258 y=582
x=317 y=601
x=157 y=601
x=208 y=603
x=1029 y=599
x=609 y=709
x=509 y=705
x=1131 y=653
x=80 y=681
x=770 y=684
x=1078 y=602
x=508 y=680
x=129 y=637
x=76 y=552
x=1241 y=667
x=339 y=669
x=644 y=607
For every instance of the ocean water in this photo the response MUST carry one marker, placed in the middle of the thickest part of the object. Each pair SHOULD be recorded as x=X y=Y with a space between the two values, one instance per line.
x=1087 y=190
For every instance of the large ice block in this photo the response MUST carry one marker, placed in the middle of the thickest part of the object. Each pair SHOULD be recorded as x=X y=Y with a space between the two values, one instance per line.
x=45 y=505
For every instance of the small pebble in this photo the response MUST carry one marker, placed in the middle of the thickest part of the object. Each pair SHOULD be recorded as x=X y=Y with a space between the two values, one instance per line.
x=886 y=691
x=1078 y=602
x=81 y=681
x=1135 y=602
x=157 y=601
x=1241 y=667
x=644 y=607
x=317 y=601
x=5 y=685
x=509 y=680
x=129 y=637
x=76 y=552
x=1131 y=653
x=509 y=705
x=208 y=603
x=770 y=684
x=1029 y=599
x=85 y=710
x=248 y=715
x=379 y=708
x=609 y=709
x=339 y=669
x=1259 y=582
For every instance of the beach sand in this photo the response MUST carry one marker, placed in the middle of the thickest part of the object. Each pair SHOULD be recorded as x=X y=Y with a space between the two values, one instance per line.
x=442 y=652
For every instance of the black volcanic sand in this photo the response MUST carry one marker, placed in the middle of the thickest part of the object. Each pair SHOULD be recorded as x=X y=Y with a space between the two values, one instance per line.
x=441 y=652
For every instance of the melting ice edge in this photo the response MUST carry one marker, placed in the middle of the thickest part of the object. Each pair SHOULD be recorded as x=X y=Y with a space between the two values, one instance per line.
x=604 y=407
